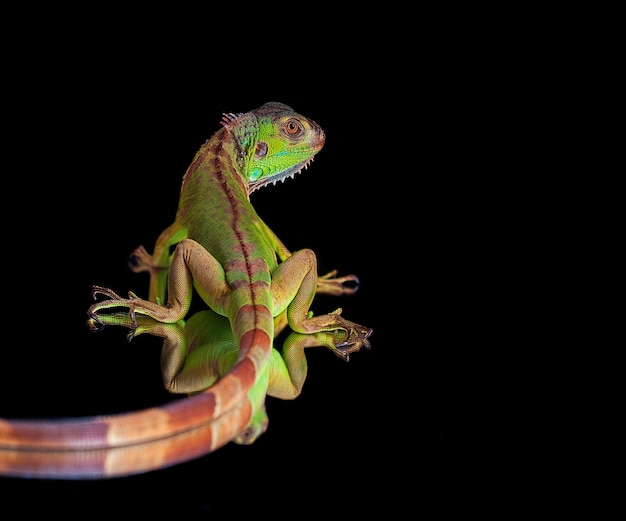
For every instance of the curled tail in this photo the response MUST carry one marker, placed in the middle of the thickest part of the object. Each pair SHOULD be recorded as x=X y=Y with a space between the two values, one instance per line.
x=129 y=459
x=98 y=447
x=135 y=427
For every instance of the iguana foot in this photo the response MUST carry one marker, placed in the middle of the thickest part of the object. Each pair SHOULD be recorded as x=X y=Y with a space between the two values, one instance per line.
x=140 y=260
x=114 y=300
x=141 y=325
x=348 y=337
x=330 y=284
x=357 y=338
x=344 y=343
x=135 y=305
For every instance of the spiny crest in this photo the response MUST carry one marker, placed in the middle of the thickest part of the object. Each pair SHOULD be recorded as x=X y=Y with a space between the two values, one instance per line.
x=228 y=118
x=244 y=127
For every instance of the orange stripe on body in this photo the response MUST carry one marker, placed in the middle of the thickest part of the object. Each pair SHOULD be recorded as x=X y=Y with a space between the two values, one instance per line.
x=252 y=320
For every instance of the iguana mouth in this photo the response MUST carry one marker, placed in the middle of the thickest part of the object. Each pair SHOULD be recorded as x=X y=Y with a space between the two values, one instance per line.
x=290 y=172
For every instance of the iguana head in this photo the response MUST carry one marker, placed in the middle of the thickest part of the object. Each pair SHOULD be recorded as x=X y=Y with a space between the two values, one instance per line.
x=278 y=142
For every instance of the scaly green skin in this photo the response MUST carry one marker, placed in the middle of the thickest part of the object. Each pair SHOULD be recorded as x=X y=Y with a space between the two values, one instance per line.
x=240 y=269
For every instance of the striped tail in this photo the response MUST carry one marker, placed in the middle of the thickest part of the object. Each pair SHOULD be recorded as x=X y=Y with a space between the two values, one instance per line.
x=254 y=330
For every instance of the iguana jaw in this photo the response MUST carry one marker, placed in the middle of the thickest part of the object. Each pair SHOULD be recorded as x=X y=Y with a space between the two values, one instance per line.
x=289 y=172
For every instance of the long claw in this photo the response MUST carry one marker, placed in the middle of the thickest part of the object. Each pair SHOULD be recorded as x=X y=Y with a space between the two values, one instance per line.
x=99 y=290
x=94 y=323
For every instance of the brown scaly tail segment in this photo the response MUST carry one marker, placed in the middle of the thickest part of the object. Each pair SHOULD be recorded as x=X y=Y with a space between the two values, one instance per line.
x=103 y=447
x=130 y=459
x=124 y=429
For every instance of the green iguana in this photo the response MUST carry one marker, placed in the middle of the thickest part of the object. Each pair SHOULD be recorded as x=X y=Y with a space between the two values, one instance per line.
x=238 y=266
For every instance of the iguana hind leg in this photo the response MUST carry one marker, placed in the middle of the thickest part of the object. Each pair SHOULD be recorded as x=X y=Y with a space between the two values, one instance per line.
x=191 y=265
x=295 y=283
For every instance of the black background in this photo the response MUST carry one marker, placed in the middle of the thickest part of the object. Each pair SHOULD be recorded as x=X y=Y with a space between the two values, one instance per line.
x=95 y=146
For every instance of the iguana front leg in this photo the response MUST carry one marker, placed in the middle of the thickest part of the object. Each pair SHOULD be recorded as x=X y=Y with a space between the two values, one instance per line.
x=329 y=283
x=157 y=264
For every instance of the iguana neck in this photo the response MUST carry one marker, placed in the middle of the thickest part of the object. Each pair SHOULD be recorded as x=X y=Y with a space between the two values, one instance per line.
x=215 y=191
x=213 y=179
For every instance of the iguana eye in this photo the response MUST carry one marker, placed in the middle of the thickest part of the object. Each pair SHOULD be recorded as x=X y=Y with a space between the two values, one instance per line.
x=261 y=150
x=293 y=127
